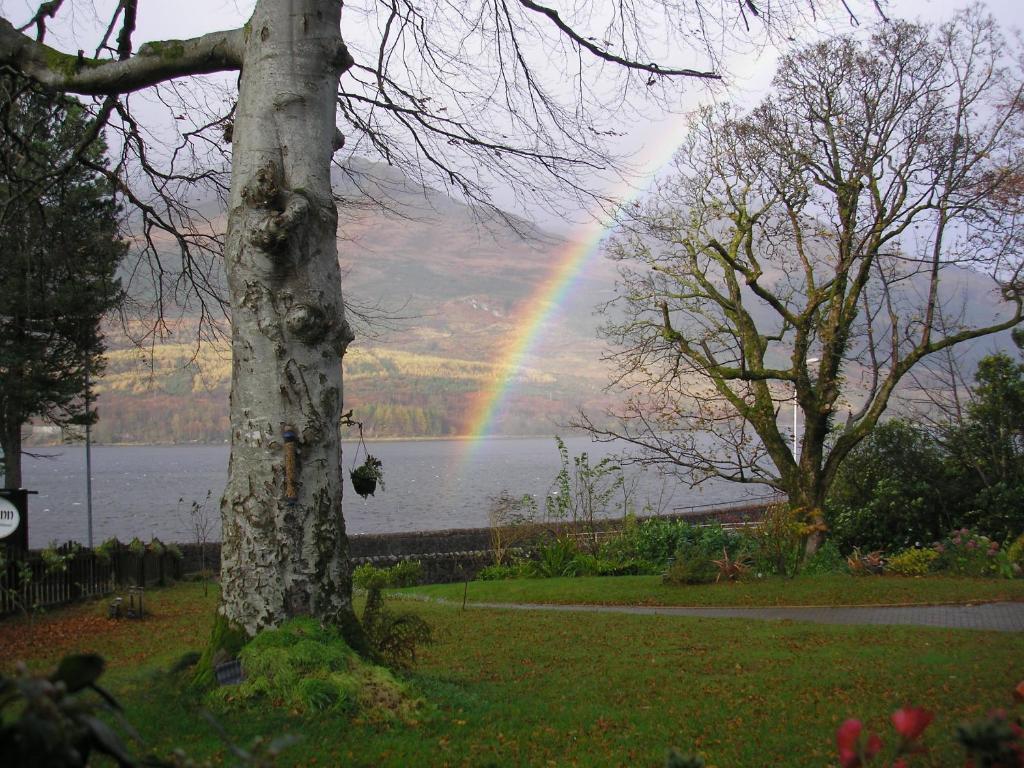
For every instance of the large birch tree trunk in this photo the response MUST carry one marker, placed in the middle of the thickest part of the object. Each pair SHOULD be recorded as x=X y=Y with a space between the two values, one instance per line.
x=284 y=547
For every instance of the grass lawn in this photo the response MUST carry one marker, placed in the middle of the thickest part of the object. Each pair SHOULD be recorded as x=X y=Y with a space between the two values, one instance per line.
x=808 y=590
x=531 y=688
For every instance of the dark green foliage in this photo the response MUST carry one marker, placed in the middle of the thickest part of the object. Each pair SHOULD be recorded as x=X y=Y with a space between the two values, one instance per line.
x=499 y=572
x=992 y=742
x=828 y=559
x=407 y=573
x=692 y=565
x=393 y=636
x=903 y=487
x=699 y=547
x=655 y=541
x=584 y=564
x=317 y=694
x=52 y=723
x=988 y=449
x=893 y=491
x=58 y=226
x=556 y=558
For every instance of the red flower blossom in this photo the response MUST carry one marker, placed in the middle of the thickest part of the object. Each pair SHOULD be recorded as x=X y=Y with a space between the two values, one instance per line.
x=848 y=740
x=910 y=722
x=1018 y=692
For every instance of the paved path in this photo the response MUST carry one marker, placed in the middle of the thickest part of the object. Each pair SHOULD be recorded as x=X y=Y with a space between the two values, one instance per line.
x=1000 y=617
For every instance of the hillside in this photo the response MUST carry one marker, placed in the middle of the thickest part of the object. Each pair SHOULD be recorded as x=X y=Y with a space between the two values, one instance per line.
x=462 y=289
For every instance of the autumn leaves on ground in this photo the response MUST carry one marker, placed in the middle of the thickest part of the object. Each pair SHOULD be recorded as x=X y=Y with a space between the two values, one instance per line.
x=515 y=688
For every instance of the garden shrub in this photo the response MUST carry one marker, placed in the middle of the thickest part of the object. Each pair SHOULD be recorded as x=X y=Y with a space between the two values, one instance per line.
x=1015 y=555
x=894 y=489
x=650 y=544
x=968 y=554
x=654 y=541
x=998 y=510
x=584 y=564
x=828 y=559
x=692 y=565
x=498 y=572
x=778 y=540
x=912 y=562
x=556 y=558
x=407 y=573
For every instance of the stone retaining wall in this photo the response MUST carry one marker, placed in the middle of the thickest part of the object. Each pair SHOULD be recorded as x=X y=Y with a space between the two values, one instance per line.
x=459 y=553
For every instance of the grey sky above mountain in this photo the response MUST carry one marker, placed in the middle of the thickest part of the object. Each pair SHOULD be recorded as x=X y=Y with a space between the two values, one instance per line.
x=645 y=146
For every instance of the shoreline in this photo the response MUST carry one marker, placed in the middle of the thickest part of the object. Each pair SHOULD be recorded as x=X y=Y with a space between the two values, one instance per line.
x=433 y=438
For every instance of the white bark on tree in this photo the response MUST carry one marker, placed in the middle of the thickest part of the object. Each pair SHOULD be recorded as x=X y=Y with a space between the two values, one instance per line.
x=284 y=558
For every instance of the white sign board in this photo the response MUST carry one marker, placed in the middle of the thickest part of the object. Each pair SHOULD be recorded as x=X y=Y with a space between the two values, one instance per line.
x=9 y=518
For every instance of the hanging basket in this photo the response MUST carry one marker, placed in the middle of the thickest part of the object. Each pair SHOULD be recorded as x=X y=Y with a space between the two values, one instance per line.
x=365 y=486
x=367 y=475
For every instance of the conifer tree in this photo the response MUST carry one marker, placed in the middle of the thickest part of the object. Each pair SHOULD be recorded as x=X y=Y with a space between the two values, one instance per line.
x=58 y=255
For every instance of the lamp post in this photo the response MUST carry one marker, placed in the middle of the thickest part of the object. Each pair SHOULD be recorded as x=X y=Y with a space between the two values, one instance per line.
x=795 y=405
x=88 y=458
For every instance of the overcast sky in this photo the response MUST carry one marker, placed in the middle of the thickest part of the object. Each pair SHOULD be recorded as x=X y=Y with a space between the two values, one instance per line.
x=648 y=145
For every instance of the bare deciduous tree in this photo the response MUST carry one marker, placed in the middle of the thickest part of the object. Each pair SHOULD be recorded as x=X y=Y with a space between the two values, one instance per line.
x=800 y=255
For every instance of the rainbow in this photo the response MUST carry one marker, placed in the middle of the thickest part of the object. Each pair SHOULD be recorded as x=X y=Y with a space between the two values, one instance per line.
x=569 y=262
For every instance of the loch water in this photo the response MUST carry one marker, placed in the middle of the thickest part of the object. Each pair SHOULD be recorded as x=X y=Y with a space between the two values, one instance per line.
x=147 y=491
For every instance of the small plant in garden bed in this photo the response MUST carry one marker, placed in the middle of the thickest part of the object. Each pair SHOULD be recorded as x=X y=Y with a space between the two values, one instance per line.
x=732 y=568
x=871 y=563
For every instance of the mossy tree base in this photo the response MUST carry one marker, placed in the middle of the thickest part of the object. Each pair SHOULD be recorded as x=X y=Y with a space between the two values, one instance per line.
x=226 y=642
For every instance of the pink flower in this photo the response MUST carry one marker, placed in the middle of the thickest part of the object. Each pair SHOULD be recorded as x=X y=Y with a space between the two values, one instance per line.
x=956 y=539
x=1018 y=692
x=940 y=548
x=848 y=741
x=972 y=545
x=964 y=531
x=910 y=722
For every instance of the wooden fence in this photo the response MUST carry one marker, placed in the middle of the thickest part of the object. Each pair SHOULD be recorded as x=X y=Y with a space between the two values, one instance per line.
x=33 y=580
